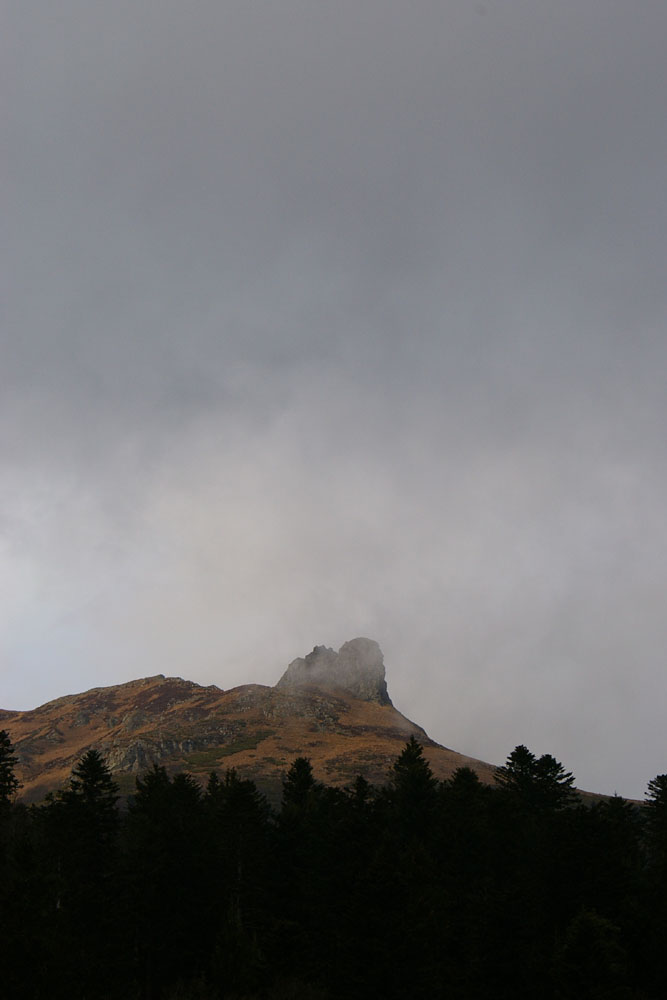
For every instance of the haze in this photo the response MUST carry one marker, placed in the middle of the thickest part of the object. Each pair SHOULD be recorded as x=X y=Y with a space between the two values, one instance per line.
x=327 y=320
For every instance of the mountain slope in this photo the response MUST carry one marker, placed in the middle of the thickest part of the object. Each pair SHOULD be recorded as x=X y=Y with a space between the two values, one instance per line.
x=331 y=707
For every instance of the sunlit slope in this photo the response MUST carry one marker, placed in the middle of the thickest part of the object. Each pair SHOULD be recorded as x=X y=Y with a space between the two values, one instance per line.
x=256 y=729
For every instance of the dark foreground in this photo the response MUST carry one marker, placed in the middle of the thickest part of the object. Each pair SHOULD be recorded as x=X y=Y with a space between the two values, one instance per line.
x=417 y=889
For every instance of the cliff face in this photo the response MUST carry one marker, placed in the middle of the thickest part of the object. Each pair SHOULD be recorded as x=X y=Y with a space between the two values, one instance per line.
x=331 y=707
x=357 y=667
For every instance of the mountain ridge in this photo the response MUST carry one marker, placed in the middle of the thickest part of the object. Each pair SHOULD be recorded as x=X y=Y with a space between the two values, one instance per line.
x=333 y=708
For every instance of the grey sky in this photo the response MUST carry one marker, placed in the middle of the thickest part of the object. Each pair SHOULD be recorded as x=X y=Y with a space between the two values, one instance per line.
x=325 y=320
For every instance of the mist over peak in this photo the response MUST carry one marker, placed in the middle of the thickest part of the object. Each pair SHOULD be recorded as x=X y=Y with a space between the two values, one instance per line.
x=358 y=667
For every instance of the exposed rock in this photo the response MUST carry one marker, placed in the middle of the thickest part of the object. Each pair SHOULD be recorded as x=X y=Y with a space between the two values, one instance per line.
x=133 y=721
x=357 y=667
x=136 y=757
x=312 y=706
x=54 y=736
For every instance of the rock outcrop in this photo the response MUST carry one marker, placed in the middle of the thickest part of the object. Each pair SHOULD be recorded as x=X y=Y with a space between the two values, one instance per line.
x=357 y=667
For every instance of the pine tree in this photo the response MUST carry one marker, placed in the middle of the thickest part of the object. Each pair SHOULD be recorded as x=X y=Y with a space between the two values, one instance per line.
x=298 y=783
x=655 y=817
x=89 y=810
x=413 y=787
x=542 y=784
x=91 y=784
x=85 y=819
x=9 y=783
x=79 y=828
x=656 y=810
x=168 y=879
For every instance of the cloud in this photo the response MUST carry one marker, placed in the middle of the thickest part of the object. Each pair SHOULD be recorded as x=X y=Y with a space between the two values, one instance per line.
x=340 y=320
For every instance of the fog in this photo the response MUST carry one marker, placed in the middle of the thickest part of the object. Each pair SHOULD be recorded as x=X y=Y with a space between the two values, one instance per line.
x=339 y=320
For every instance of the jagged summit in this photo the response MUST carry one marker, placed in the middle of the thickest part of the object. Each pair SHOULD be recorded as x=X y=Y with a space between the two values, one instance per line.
x=357 y=667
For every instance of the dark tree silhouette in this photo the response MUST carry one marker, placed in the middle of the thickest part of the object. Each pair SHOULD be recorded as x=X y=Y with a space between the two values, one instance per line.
x=77 y=837
x=539 y=783
x=655 y=811
x=9 y=783
x=413 y=788
x=298 y=783
x=423 y=889
x=168 y=885
x=591 y=963
x=92 y=787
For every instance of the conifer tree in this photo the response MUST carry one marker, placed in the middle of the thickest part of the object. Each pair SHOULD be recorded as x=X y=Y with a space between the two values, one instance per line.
x=83 y=820
x=656 y=810
x=655 y=817
x=411 y=768
x=299 y=783
x=542 y=783
x=413 y=787
x=91 y=784
x=168 y=879
x=9 y=783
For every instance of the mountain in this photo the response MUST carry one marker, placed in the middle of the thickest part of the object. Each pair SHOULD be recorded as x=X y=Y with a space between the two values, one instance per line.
x=333 y=708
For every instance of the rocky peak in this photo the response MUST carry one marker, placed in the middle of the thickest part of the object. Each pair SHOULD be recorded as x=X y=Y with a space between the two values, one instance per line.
x=357 y=667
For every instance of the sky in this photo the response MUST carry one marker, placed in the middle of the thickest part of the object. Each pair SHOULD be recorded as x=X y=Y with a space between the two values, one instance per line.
x=323 y=320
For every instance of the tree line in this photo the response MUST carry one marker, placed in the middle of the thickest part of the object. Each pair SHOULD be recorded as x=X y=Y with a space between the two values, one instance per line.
x=418 y=888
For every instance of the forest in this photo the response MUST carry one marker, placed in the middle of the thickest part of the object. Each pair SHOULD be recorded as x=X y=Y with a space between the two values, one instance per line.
x=419 y=888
